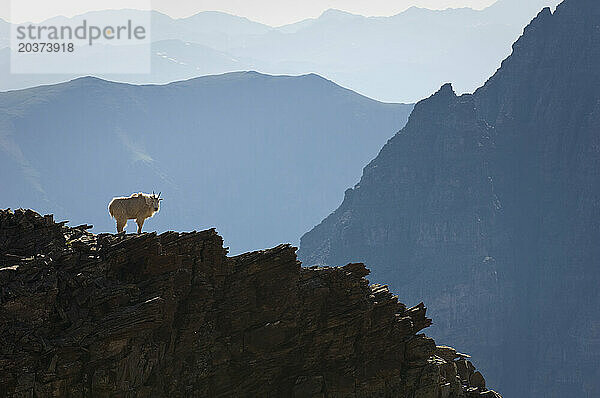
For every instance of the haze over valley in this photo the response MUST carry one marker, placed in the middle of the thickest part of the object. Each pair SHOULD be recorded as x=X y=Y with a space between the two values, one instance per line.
x=401 y=58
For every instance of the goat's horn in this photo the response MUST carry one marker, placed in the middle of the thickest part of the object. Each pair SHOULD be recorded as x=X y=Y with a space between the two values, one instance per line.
x=159 y=194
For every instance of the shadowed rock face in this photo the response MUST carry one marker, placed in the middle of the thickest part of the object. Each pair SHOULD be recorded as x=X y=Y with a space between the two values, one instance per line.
x=487 y=207
x=171 y=315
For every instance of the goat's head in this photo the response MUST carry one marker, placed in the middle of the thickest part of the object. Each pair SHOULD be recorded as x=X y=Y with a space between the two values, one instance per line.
x=155 y=201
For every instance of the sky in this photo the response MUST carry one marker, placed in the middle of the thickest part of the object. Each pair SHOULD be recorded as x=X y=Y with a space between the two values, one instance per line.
x=270 y=12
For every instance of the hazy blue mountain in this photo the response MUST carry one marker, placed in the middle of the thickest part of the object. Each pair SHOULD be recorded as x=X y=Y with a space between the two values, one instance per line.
x=261 y=158
x=170 y=56
x=9 y=81
x=223 y=23
x=403 y=57
x=398 y=58
x=178 y=52
x=4 y=33
x=217 y=30
x=172 y=60
x=207 y=27
x=487 y=207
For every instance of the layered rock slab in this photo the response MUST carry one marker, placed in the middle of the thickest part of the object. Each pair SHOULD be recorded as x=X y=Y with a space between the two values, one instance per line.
x=171 y=315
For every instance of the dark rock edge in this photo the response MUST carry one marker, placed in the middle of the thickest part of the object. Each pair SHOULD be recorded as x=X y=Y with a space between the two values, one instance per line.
x=171 y=315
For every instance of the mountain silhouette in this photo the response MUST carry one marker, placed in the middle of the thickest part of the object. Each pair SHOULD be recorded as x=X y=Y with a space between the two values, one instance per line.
x=486 y=207
x=401 y=58
x=261 y=158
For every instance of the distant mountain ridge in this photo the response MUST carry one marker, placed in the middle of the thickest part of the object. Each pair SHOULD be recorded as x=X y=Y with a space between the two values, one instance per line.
x=260 y=157
x=400 y=58
x=487 y=207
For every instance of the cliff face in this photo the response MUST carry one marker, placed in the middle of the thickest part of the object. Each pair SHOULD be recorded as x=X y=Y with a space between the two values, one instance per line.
x=171 y=315
x=486 y=206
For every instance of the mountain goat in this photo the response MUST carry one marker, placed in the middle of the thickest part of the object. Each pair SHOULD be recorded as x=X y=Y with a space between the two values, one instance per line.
x=138 y=207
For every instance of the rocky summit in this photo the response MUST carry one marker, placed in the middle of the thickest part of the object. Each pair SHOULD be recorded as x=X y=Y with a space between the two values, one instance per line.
x=171 y=315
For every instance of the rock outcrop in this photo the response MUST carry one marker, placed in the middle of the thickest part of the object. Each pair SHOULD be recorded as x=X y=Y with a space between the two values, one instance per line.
x=171 y=315
x=487 y=207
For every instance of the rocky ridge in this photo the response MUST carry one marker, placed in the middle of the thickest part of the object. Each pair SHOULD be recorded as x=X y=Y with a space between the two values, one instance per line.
x=171 y=315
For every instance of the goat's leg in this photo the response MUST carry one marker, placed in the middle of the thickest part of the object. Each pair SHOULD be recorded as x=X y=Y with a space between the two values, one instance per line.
x=121 y=225
x=140 y=223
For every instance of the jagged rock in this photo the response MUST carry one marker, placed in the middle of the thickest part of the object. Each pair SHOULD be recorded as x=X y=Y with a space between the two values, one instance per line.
x=449 y=353
x=171 y=315
x=477 y=380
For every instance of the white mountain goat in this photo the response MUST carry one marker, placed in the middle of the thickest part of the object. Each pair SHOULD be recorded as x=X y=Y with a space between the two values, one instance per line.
x=138 y=207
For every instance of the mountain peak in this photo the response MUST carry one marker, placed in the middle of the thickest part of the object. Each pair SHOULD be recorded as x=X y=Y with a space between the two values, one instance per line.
x=333 y=13
x=446 y=90
x=88 y=78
